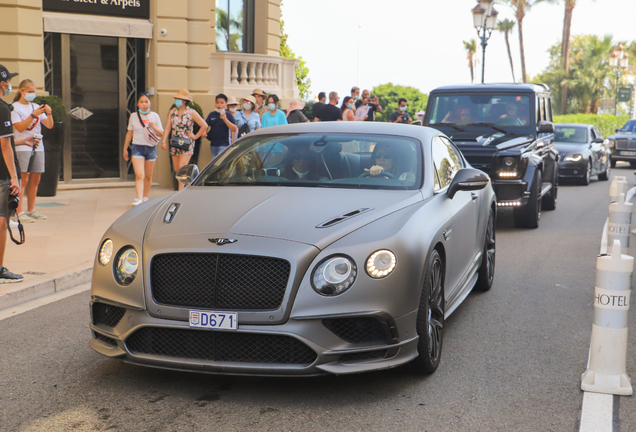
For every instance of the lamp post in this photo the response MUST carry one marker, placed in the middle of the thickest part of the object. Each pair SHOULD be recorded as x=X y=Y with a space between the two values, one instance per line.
x=618 y=59
x=485 y=21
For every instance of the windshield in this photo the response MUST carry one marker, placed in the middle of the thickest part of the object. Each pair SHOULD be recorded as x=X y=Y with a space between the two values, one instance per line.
x=479 y=109
x=570 y=134
x=355 y=161
x=630 y=126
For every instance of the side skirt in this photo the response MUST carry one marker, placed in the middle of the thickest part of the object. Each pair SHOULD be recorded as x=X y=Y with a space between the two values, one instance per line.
x=466 y=286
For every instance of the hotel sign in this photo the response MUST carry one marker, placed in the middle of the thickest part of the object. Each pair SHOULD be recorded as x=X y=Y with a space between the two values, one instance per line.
x=119 y=8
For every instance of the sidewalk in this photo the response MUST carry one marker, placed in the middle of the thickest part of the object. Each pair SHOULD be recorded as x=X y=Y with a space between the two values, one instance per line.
x=59 y=252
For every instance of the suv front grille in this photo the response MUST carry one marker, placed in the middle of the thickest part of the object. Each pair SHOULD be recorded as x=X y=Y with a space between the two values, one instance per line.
x=220 y=346
x=625 y=144
x=356 y=330
x=222 y=281
x=108 y=315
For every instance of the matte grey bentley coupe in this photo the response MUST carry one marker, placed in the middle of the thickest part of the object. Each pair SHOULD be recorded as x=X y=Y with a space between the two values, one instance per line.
x=301 y=250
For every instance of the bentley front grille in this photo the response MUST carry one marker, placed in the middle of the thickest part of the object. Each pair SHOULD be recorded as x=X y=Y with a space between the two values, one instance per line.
x=220 y=281
x=108 y=315
x=220 y=346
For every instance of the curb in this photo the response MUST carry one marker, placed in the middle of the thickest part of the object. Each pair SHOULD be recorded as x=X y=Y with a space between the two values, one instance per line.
x=47 y=285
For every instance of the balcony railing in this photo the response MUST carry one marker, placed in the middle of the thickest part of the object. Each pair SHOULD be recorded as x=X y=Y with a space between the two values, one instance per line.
x=238 y=74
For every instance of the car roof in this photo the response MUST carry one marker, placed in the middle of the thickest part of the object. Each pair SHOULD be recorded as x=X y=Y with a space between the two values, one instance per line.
x=503 y=87
x=421 y=133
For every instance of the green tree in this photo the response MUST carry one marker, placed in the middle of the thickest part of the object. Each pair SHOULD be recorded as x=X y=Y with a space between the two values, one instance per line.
x=471 y=49
x=505 y=26
x=302 y=71
x=389 y=94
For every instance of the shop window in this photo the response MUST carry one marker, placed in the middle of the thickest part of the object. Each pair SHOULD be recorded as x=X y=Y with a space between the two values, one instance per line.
x=235 y=25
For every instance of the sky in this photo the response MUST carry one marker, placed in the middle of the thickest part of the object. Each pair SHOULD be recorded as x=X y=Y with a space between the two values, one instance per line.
x=418 y=43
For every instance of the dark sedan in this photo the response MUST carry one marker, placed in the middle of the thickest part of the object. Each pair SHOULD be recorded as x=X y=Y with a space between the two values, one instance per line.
x=582 y=152
x=623 y=144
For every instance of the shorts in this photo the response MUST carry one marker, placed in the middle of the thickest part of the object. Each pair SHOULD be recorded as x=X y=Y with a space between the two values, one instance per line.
x=38 y=161
x=144 y=152
x=4 y=195
x=178 y=152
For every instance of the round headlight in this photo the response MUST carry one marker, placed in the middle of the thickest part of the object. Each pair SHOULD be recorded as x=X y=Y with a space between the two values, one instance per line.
x=126 y=266
x=106 y=252
x=334 y=275
x=509 y=162
x=381 y=263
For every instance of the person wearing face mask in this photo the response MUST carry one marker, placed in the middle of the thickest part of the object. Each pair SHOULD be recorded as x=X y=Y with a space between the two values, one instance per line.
x=274 y=116
x=355 y=93
x=294 y=113
x=348 y=109
x=144 y=131
x=261 y=105
x=248 y=116
x=28 y=119
x=222 y=126
x=401 y=116
x=9 y=170
x=232 y=107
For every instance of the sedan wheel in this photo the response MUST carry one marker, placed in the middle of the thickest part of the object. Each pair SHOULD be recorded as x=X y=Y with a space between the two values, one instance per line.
x=430 y=317
x=486 y=274
x=604 y=176
x=585 y=180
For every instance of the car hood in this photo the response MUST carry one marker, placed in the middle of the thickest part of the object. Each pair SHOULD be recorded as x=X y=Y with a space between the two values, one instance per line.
x=566 y=149
x=288 y=213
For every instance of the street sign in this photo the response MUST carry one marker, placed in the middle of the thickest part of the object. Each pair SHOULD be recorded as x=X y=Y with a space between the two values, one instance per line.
x=607 y=104
x=624 y=94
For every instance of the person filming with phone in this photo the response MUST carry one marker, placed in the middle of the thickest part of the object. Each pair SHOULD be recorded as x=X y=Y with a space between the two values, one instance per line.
x=28 y=118
x=9 y=185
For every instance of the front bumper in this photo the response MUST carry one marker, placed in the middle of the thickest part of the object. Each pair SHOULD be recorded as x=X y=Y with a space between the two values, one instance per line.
x=324 y=350
x=623 y=155
x=572 y=169
x=511 y=193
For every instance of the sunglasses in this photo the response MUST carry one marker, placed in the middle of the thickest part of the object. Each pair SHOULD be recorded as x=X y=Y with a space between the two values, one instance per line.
x=384 y=155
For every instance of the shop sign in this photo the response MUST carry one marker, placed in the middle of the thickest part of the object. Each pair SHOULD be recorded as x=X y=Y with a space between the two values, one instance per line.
x=120 y=8
x=624 y=94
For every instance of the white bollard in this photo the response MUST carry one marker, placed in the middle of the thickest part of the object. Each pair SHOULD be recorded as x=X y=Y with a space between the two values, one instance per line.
x=617 y=187
x=619 y=222
x=606 y=371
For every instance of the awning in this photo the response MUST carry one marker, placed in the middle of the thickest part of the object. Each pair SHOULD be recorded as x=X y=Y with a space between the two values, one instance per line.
x=97 y=25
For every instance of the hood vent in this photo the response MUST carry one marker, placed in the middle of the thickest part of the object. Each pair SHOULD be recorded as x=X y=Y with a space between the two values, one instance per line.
x=343 y=217
x=171 y=212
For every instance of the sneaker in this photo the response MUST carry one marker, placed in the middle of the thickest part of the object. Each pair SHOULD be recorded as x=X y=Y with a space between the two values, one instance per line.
x=136 y=202
x=7 y=277
x=24 y=218
x=35 y=215
x=145 y=199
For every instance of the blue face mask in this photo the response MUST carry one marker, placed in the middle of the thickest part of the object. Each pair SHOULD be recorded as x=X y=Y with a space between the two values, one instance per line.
x=30 y=96
x=350 y=106
x=8 y=92
x=272 y=107
x=145 y=112
x=178 y=103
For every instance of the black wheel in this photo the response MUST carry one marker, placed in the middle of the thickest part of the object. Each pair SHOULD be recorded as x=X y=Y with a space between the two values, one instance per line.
x=632 y=164
x=604 y=176
x=549 y=201
x=529 y=215
x=430 y=318
x=613 y=163
x=487 y=269
x=585 y=180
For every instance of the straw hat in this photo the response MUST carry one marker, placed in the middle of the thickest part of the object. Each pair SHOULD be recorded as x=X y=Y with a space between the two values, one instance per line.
x=250 y=99
x=183 y=94
x=259 y=92
x=231 y=100
x=295 y=104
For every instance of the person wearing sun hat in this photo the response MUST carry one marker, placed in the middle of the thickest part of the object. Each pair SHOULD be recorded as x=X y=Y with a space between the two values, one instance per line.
x=294 y=112
x=232 y=107
x=180 y=123
x=248 y=116
x=9 y=172
x=261 y=97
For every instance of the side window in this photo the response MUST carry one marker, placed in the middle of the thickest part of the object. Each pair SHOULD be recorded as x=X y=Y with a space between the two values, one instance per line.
x=593 y=133
x=455 y=150
x=542 y=108
x=548 y=109
x=598 y=133
x=446 y=161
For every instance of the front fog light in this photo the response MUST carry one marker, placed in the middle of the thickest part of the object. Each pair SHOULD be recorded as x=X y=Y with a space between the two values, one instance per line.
x=126 y=266
x=381 y=263
x=334 y=275
x=106 y=252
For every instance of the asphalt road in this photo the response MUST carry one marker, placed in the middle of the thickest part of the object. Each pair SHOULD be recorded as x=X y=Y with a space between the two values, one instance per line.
x=512 y=359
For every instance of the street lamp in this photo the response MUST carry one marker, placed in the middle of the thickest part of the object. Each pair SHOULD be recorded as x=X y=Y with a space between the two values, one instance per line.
x=618 y=59
x=485 y=21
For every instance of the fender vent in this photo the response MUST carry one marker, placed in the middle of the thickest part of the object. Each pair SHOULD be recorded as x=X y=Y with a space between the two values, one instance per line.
x=343 y=217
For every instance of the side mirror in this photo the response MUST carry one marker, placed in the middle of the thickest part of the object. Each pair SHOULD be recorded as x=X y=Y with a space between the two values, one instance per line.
x=545 y=127
x=598 y=141
x=616 y=130
x=187 y=174
x=468 y=179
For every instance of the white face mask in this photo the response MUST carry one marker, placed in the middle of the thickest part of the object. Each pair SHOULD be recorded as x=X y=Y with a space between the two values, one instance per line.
x=247 y=107
x=220 y=110
x=29 y=96
x=233 y=109
x=8 y=92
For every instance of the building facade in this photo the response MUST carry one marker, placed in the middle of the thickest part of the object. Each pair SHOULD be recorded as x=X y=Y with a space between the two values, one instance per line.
x=99 y=55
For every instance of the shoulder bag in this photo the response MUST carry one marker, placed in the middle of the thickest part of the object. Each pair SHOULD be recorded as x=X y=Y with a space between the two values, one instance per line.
x=149 y=133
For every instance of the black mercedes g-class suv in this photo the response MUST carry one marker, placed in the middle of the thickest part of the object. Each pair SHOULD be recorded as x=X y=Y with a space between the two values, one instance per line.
x=506 y=131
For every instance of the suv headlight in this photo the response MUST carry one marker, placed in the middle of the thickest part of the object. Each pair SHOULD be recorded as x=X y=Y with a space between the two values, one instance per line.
x=609 y=142
x=508 y=167
x=573 y=158
x=126 y=265
x=334 y=275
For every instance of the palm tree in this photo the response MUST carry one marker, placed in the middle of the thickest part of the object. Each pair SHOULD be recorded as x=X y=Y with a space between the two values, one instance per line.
x=520 y=9
x=471 y=49
x=505 y=26
x=565 y=49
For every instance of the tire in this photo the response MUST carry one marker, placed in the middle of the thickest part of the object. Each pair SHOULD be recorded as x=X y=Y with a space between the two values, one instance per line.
x=604 y=176
x=585 y=180
x=549 y=202
x=430 y=318
x=486 y=274
x=529 y=215
x=632 y=164
x=613 y=163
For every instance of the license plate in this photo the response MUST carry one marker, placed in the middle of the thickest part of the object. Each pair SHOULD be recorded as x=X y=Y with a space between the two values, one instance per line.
x=628 y=153
x=213 y=320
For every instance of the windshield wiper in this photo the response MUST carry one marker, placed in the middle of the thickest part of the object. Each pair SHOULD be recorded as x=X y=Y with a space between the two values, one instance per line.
x=490 y=125
x=453 y=125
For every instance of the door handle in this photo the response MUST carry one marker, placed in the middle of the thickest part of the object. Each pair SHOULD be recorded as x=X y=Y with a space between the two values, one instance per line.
x=474 y=195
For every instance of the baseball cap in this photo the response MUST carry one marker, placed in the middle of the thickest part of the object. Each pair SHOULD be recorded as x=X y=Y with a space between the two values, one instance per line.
x=5 y=74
